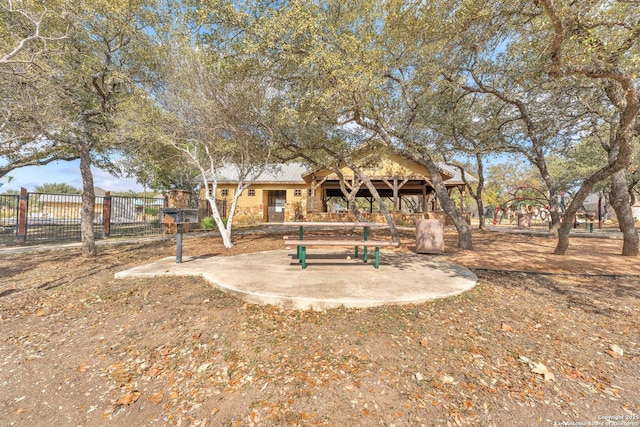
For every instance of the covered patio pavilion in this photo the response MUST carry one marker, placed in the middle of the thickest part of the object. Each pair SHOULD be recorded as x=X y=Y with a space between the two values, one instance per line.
x=399 y=180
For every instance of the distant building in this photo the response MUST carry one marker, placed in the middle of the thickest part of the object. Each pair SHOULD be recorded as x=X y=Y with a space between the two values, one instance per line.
x=65 y=206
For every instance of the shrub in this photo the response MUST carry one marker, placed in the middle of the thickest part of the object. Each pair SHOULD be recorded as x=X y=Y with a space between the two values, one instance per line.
x=208 y=223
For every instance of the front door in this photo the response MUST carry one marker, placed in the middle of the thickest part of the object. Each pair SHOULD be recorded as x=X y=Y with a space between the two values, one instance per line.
x=277 y=200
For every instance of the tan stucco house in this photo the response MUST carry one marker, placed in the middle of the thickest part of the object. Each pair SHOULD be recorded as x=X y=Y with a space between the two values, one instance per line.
x=293 y=191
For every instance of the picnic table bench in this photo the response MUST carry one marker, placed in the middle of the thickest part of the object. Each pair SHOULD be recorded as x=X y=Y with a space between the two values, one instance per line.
x=377 y=244
x=302 y=244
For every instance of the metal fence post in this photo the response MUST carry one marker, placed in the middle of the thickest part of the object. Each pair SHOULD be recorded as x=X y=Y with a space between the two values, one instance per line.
x=22 y=215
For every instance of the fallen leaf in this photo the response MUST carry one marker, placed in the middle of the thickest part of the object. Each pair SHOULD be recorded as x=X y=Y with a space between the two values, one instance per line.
x=424 y=342
x=20 y=411
x=157 y=398
x=446 y=379
x=203 y=367
x=128 y=398
x=506 y=328
x=153 y=372
x=83 y=368
x=540 y=368
x=612 y=354
x=616 y=350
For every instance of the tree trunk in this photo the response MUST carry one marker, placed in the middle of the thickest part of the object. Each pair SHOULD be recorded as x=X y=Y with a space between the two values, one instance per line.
x=563 y=237
x=481 y=217
x=554 y=208
x=354 y=208
x=621 y=203
x=87 y=213
x=570 y=212
x=215 y=214
x=395 y=236
x=350 y=195
x=479 y=190
x=465 y=240
x=385 y=212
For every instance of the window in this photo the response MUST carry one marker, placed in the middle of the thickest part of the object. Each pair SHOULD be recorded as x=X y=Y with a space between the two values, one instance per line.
x=251 y=192
x=297 y=193
x=309 y=192
x=224 y=192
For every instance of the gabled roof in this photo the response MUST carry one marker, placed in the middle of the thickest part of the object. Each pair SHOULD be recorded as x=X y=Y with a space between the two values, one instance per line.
x=294 y=173
x=456 y=176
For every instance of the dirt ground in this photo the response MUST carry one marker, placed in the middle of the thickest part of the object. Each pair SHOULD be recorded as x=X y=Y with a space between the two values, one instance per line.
x=542 y=340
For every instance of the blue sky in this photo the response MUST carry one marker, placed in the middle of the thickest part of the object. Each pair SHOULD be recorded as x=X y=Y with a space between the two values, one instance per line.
x=64 y=172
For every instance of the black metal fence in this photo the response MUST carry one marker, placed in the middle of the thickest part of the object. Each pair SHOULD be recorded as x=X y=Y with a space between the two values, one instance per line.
x=55 y=217
x=135 y=216
x=8 y=218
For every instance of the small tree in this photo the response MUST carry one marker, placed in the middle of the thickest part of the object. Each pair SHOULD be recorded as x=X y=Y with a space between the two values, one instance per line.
x=221 y=121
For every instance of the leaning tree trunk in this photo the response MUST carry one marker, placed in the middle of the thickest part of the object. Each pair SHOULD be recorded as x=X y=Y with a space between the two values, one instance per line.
x=570 y=212
x=354 y=208
x=395 y=236
x=621 y=203
x=465 y=240
x=350 y=194
x=87 y=213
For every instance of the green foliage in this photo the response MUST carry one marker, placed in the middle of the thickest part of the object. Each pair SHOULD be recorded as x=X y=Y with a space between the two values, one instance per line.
x=128 y=193
x=504 y=178
x=208 y=223
x=151 y=211
x=57 y=188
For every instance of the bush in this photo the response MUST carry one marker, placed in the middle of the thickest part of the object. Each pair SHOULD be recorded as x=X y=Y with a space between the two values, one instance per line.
x=208 y=223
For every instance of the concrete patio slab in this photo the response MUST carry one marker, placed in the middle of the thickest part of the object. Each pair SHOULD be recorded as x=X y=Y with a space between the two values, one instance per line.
x=332 y=279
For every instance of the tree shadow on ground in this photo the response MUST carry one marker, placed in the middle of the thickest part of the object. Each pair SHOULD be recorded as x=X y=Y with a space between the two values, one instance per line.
x=8 y=292
x=599 y=294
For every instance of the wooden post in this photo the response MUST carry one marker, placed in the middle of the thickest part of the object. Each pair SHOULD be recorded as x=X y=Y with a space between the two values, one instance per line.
x=23 y=201
x=395 y=187
x=106 y=214
x=311 y=203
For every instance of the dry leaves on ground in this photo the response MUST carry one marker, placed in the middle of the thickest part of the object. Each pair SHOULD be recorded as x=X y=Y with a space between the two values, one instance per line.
x=541 y=339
